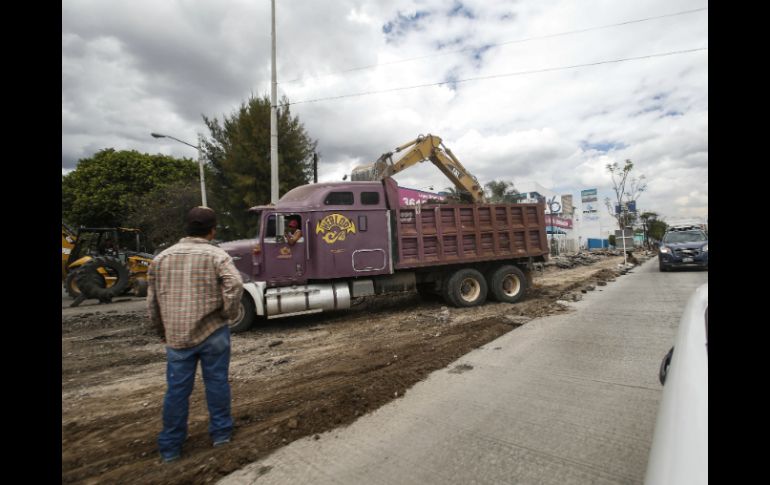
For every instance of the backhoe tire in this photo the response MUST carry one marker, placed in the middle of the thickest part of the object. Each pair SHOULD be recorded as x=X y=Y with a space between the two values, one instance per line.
x=89 y=284
x=90 y=280
x=70 y=285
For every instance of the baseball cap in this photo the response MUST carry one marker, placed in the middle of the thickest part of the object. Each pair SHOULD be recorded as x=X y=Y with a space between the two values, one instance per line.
x=200 y=219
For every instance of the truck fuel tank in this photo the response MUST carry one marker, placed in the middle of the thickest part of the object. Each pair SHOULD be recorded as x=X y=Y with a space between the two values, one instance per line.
x=298 y=300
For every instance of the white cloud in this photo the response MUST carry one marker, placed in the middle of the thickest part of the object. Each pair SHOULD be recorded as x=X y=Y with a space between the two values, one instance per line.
x=133 y=67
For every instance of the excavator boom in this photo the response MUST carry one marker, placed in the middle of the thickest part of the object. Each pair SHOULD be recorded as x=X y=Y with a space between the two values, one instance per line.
x=423 y=148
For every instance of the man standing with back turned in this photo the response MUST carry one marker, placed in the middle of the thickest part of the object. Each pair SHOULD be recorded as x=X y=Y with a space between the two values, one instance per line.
x=194 y=289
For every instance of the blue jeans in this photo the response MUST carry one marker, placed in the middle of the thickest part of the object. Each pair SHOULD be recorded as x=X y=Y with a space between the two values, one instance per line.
x=214 y=355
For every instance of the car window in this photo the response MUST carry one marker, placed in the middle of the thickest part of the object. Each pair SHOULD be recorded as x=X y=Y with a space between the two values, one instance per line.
x=684 y=237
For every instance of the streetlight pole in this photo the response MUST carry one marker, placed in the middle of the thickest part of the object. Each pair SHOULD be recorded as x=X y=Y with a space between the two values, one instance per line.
x=273 y=115
x=200 y=161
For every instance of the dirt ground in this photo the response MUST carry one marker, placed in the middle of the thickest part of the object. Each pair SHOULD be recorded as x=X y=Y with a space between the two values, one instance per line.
x=290 y=378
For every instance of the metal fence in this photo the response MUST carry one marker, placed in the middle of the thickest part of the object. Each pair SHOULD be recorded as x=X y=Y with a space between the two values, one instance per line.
x=562 y=245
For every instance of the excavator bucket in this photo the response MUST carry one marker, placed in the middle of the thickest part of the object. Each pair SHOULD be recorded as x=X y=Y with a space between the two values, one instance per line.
x=364 y=173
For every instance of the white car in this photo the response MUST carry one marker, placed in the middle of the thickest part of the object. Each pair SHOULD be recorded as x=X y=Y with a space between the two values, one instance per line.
x=679 y=452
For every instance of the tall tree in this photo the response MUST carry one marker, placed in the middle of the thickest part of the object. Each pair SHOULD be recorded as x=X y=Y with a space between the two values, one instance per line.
x=500 y=191
x=160 y=214
x=626 y=190
x=103 y=189
x=239 y=152
x=647 y=219
x=656 y=230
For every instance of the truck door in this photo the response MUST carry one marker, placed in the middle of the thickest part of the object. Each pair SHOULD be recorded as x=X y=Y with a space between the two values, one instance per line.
x=285 y=249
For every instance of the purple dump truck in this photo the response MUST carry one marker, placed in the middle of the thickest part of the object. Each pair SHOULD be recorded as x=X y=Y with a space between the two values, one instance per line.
x=356 y=241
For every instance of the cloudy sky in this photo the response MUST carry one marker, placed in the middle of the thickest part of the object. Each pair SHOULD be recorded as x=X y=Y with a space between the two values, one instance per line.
x=545 y=91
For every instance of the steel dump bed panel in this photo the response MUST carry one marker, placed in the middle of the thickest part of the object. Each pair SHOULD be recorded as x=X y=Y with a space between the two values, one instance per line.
x=441 y=234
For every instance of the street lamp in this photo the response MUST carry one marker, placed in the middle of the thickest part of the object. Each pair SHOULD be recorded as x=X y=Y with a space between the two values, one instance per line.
x=200 y=161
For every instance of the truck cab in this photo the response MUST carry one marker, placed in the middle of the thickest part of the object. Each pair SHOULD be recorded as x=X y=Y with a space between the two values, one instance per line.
x=343 y=235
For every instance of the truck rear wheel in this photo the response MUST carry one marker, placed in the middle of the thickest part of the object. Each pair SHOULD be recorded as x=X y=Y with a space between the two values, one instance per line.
x=466 y=288
x=508 y=284
x=246 y=314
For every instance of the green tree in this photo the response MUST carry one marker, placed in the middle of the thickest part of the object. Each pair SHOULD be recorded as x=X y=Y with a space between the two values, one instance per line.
x=103 y=190
x=455 y=196
x=160 y=214
x=656 y=229
x=239 y=152
x=500 y=191
x=647 y=219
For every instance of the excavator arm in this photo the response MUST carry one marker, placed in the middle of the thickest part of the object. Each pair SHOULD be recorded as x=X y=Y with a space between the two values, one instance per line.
x=423 y=148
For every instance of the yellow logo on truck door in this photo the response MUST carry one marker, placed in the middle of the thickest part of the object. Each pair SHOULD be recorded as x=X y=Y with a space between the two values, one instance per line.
x=335 y=227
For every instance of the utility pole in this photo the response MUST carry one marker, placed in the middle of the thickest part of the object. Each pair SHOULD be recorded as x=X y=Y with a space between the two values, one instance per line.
x=200 y=167
x=273 y=117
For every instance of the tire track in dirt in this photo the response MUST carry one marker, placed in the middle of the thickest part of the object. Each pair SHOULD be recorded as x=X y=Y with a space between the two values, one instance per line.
x=292 y=378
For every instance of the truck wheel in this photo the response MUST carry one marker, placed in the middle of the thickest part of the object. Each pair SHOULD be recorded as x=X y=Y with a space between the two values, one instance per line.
x=508 y=284
x=465 y=288
x=246 y=315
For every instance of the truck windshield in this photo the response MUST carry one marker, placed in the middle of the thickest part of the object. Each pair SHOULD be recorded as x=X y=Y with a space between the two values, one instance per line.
x=684 y=237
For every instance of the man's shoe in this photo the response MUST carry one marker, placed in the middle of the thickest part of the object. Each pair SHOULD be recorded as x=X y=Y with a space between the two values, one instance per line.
x=221 y=441
x=170 y=458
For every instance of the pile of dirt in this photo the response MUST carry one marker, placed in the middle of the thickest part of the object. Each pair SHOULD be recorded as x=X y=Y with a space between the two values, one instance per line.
x=290 y=378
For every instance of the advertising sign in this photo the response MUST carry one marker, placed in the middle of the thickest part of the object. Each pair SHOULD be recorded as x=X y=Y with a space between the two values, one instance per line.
x=588 y=195
x=558 y=222
x=553 y=205
x=589 y=208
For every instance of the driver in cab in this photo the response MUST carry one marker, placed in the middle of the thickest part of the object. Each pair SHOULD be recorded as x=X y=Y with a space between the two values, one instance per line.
x=292 y=233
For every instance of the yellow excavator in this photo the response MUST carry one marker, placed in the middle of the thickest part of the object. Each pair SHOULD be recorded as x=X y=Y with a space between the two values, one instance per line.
x=427 y=147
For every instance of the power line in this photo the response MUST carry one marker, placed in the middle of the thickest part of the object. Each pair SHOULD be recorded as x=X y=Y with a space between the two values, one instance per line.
x=528 y=39
x=494 y=76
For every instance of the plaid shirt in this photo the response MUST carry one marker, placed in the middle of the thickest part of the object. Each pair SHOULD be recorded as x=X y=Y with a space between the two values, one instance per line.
x=194 y=289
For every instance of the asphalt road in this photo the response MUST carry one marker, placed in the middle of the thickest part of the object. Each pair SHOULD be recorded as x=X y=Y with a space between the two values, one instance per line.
x=565 y=399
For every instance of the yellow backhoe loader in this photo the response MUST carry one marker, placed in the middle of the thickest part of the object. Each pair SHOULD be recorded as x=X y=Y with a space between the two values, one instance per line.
x=116 y=253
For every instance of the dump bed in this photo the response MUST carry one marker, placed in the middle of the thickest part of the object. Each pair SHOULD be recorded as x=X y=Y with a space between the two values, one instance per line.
x=441 y=234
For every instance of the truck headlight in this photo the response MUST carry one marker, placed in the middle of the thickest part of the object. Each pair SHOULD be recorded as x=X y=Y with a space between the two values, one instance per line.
x=705 y=248
x=665 y=250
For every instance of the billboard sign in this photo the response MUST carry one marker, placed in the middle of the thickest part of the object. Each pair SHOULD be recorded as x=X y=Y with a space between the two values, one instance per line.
x=558 y=222
x=588 y=195
x=553 y=205
x=589 y=208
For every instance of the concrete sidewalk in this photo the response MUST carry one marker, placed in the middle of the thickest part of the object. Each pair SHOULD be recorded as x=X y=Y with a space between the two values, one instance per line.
x=565 y=399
